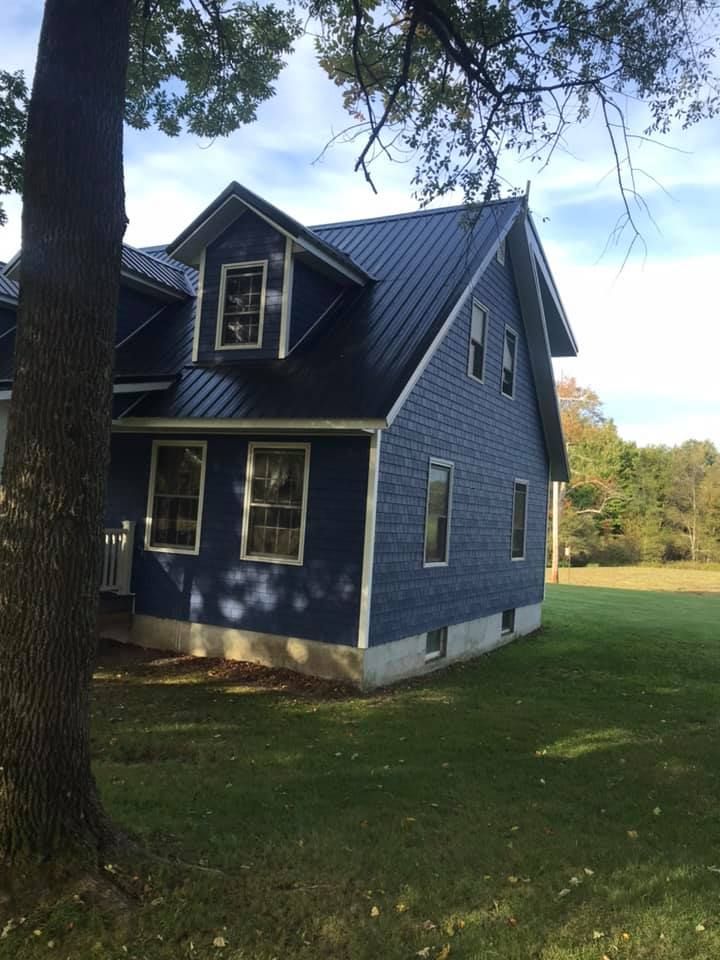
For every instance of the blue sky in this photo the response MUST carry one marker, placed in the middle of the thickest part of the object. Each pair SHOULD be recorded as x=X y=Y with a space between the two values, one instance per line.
x=648 y=333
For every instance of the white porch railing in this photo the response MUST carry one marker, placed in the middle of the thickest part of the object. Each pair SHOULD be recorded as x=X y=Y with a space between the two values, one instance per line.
x=117 y=558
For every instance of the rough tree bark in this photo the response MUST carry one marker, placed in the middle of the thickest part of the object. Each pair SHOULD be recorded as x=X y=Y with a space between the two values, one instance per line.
x=56 y=458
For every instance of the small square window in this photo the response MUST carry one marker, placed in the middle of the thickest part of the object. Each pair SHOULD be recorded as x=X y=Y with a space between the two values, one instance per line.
x=508 y=622
x=436 y=644
x=508 y=363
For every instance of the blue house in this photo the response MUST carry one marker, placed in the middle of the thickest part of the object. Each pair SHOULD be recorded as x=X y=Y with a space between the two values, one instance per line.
x=332 y=445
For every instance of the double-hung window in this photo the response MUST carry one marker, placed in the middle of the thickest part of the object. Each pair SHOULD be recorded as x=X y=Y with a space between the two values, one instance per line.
x=478 y=338
x=276 y=502
x=241 y=305
x=437 y=515
x=519 y=520
x=509 y=363
x=177 y=481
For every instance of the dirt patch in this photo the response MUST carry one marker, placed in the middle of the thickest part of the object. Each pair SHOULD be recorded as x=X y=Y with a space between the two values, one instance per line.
x=121 y=661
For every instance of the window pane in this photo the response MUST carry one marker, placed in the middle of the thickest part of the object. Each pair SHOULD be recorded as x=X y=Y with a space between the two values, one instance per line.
x=438 y=511
x=275 y=515
x=174 y=521
x=518 y=520
x=178 y=470
x=508 y=373
x=477 y=360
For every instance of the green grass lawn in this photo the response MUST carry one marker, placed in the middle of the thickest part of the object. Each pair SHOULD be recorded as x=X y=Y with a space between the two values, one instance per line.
x=679 y=577
x=557 y=799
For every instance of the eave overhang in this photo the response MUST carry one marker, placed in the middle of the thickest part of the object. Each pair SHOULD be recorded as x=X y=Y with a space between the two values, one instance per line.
x=231 y=204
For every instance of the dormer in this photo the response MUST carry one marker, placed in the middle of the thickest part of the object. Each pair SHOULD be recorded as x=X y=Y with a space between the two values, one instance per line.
x=264 y=279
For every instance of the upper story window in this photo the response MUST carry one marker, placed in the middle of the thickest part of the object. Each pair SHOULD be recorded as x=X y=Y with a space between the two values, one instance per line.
x=500 y=253
x=276 y=493
x=478 y=338
x=437 y=514
x=241 y=305
x=177 y=482
x=509 y=363
x=519 y=520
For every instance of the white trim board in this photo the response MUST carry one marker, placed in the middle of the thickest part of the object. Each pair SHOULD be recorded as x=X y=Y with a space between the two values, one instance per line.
x=286 y=306
x=232 y=425
x=369 y=541
x=198 y=307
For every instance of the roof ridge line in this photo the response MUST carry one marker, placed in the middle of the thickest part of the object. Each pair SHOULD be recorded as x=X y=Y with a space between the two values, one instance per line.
x=413 y=213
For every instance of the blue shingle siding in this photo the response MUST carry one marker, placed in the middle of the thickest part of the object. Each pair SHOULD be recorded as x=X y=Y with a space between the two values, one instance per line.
x=492 y=441
x=249 y=238
x=317 y=601
x=312 y=294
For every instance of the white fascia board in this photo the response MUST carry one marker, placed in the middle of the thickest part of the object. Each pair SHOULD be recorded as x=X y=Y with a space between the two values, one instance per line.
x=141 y=386
x=232 y=425
x=444 y=329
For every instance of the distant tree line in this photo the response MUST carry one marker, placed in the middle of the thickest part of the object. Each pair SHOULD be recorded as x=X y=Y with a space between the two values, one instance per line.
x=630 y=504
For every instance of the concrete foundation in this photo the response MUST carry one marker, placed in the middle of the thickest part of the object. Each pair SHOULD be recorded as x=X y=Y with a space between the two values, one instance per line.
x=374 y=667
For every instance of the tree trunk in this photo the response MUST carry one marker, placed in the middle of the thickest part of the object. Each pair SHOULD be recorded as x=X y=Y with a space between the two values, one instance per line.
x=59 y=430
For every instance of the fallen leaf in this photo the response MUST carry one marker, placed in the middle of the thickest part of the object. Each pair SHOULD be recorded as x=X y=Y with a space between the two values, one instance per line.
x=512 y=921
x=375 y=912
x=219 y=942
x=625 y=937
x=575 y=881
x=512 y=879
x=10 y=925
x=700 y=928
x=598 y=935
x=633 y=834
x=564 y=892
x=443 y=953
x=657 y=811
x=428 y=925
x=401 y=907
x=588 y=872
x=714 y=869
x=425 y=952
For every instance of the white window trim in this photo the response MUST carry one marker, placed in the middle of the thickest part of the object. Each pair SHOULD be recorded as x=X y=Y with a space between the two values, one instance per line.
x=509 y=396
x=435 y=461
x=500 y=253
x=188 y=551
x=526 y=484
x=511 y=631
x=442 y=652
x=270 y=445
x=480 y=306
x=226 y=267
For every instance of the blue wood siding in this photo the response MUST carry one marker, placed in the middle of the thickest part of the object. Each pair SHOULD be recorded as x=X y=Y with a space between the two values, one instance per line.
x=492 y=441
x=312 y=294
x=249 y=238
x=318 y=601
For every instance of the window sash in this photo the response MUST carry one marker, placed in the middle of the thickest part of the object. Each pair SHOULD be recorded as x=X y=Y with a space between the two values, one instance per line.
x=436 y=643
x=437 y=514
x=478 y=334
x=519 y=520
x=242 y=305
x=178 y=471
x=509 y=357
x=276 y=500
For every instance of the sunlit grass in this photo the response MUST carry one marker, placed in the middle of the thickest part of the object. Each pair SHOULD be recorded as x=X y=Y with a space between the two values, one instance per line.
x=556 y=800
x=674 y=577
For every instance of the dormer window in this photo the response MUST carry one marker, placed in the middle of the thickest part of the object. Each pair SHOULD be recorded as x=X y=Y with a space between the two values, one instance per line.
x=241 y=305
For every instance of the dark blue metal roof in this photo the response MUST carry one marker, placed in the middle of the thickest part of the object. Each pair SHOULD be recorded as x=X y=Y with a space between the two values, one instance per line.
x=163 y=272
x=8 y=288
x=356 y=363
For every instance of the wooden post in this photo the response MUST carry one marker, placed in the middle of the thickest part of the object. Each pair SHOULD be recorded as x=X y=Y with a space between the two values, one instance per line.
x=124 y=573
x=555 y=567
